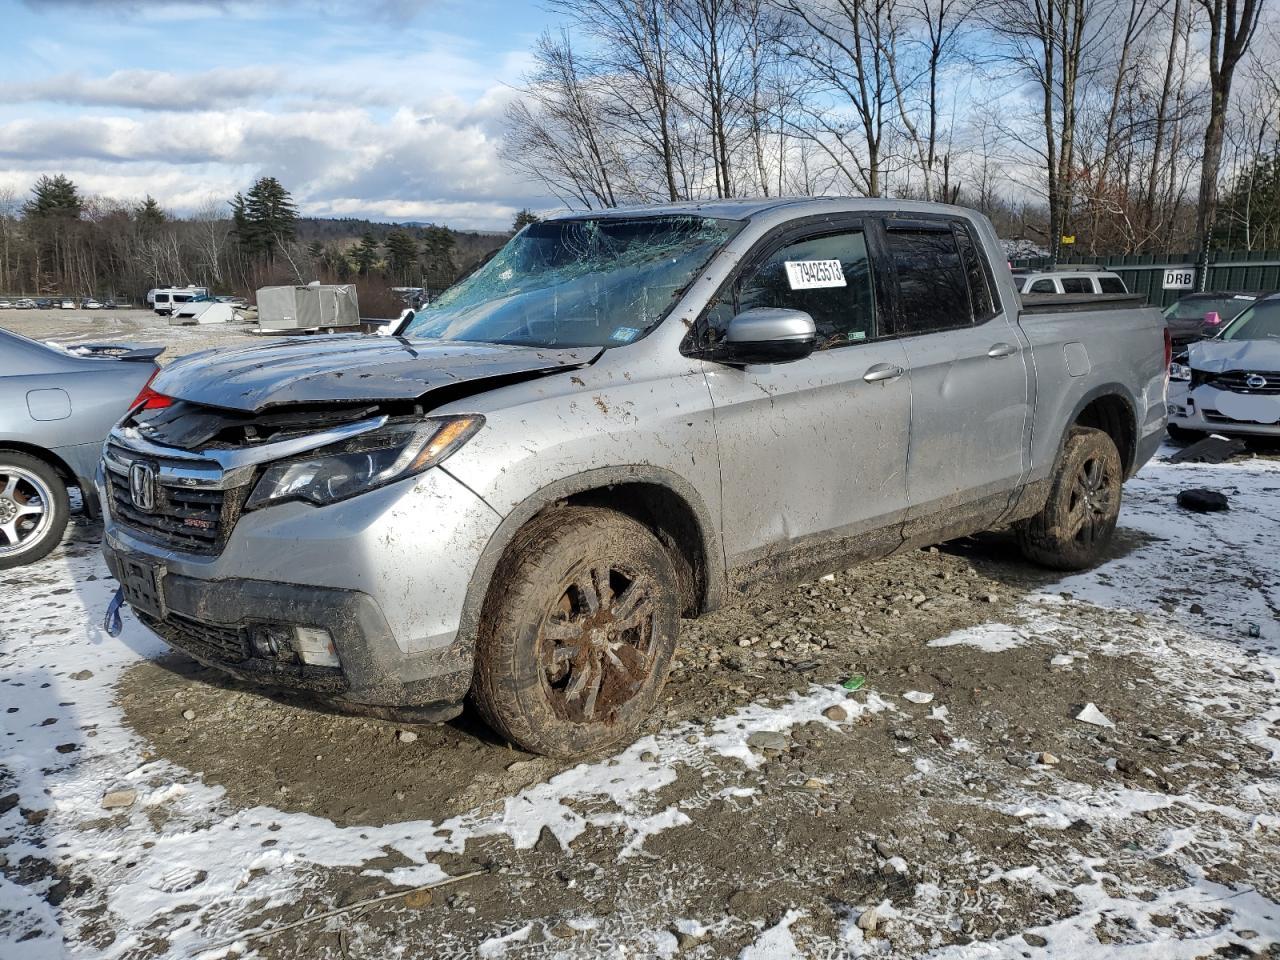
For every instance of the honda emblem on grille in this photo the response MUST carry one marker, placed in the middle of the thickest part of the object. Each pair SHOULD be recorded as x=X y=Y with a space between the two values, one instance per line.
x=1255 y=382
x=142 y=486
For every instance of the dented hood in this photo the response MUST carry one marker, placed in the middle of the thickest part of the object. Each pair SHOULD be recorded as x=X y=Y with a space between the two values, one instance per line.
x=349 y=368
x=1218 y=356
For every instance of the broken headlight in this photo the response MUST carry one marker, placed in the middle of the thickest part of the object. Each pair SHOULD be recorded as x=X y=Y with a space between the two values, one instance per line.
x=364 y=463
x=1179 y=371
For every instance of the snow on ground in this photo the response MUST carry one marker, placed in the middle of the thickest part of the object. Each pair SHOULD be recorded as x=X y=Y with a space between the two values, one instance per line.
x=183 y=872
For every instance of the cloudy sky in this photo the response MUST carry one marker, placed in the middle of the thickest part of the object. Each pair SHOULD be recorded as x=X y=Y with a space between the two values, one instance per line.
x=387 y=109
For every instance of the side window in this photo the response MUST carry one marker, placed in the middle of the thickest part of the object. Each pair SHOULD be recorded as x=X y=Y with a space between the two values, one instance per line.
x=827 y=277
x=980 y=295
x=1042 y=286
x=933 y=292
x=1077 y=285
x=1111 y=285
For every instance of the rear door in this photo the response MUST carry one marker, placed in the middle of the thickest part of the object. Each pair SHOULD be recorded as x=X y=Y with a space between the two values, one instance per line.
x=970 y=384
x=813 y=453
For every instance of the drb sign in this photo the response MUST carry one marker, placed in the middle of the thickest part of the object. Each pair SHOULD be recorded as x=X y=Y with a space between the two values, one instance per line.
x=1180 y=278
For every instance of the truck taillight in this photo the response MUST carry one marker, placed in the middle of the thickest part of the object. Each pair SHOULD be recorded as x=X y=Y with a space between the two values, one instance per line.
x=148 y=399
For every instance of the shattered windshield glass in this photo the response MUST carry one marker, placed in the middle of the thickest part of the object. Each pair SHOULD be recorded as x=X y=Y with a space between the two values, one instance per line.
x=577 y=283
x=1259 y=322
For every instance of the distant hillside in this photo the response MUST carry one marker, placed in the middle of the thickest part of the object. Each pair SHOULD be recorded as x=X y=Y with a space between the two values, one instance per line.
x=469 y=245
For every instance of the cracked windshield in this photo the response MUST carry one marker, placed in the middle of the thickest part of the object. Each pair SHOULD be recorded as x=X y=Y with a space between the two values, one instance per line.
x=577 y=283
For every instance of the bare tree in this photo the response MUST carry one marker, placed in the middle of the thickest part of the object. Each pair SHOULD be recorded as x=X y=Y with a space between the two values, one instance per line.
x=1232 y=24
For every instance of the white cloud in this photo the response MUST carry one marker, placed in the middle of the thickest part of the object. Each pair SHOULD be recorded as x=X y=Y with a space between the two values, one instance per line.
x=340 y=162
x=150 y=89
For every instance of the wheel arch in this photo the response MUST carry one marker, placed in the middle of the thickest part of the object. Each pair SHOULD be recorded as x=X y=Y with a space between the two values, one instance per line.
x=1109 y=408
x=665 y=503
x=63 y=469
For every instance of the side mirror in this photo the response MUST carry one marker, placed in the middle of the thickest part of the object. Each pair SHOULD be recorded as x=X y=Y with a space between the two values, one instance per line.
x=1212 y=318
x=767 y=335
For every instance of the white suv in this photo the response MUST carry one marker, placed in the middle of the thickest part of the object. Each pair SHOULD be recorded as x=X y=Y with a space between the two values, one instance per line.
x=1062 y=281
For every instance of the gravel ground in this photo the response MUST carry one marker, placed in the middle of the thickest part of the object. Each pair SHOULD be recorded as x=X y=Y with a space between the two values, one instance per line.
x=128 y=326
x=951 y=806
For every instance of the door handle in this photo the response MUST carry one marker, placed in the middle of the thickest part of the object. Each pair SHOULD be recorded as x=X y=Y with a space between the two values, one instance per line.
x=1002 y=350
x=883 y=372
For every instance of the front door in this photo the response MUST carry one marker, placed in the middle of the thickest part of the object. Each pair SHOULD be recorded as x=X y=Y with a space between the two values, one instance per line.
x=813 y=453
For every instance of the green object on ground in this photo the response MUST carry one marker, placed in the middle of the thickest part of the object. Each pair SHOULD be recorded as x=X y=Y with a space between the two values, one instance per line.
x=856 y=682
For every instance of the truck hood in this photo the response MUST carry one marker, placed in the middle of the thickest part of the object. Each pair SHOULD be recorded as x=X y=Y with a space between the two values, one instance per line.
x=350 y=368
x=1217 y=356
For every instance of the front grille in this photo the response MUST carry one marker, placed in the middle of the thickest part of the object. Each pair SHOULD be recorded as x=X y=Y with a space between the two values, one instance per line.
x=1236 y=381
x=189 y=519
x=204 y=641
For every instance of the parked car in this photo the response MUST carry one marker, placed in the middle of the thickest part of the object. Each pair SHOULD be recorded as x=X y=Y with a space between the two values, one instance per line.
x=25 y=304
x=1069 y=280
x=91 y=304
x=1230 y=384
x=1198 y=316
x=67 y=304
x=624 y=418
x=56 y=407
x=6 y=305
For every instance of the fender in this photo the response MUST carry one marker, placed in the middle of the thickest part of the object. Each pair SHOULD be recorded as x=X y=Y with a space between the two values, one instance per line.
x=596 y=479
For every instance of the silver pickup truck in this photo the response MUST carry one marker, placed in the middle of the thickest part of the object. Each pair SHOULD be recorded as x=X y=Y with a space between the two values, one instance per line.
x=624 y=418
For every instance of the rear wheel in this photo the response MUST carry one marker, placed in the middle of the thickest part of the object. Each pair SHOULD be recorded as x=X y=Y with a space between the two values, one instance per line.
x=577 y=634
x=33 y=509
x=1079 y=518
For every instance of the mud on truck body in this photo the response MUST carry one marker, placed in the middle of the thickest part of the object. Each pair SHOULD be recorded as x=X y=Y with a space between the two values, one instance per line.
x=623 y=419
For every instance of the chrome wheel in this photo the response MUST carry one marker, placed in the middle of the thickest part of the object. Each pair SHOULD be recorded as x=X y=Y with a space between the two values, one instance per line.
x=596 y=644
x=26 y=510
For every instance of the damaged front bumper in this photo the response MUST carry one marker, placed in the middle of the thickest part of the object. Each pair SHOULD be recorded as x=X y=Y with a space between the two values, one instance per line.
x=1210 y=410
x=385 y=573
x=224 y=624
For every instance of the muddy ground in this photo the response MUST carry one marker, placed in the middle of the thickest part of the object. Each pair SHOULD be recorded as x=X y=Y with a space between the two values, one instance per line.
x=951 y=806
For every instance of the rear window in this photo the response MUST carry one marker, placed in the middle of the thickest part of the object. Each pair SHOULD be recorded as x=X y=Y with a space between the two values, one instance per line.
x=1042 y=286
x=1111 y=285
x=933 y=291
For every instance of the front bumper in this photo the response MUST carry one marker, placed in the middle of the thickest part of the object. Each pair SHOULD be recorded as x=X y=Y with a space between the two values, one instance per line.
x=386 y=573
x=212 y=621
x=1200 y=409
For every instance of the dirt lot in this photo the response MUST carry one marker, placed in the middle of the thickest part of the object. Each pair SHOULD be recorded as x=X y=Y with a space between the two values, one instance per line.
x=127 y=326
x=952 y=806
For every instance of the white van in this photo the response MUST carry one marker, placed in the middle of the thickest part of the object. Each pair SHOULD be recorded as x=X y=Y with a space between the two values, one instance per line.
x=1067 y=280
x=166 y=299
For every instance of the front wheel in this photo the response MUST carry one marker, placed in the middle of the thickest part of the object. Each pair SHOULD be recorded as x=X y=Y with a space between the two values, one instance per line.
x=1077 y=522
x=33 y=509
x=577 y=634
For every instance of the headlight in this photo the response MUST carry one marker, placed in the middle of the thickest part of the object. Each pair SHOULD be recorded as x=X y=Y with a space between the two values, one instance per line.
x=364 y=463
x=1179 y=371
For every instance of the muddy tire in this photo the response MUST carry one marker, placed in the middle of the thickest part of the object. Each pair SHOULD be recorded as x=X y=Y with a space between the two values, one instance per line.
x=1077 y=522
x=33 y=509
x=577 y=633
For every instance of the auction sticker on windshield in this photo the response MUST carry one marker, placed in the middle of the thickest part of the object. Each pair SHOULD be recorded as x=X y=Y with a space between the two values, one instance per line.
x=814 y=274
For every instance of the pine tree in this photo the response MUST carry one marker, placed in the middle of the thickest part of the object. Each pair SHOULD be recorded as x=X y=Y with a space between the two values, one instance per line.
x=365 y=253
x=402 y=255
x=437 y=255
x=265 y=218
x=54 y=196
x=524 y=217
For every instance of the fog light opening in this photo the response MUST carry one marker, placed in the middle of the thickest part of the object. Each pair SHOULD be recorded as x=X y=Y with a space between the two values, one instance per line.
x=315 y=646
x=272 y=643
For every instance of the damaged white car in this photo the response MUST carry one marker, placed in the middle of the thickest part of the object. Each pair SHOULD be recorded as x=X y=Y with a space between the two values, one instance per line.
x=1230 y=384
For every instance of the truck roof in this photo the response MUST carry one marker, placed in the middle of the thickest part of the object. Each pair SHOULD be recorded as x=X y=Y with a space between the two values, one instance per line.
x=747 y=209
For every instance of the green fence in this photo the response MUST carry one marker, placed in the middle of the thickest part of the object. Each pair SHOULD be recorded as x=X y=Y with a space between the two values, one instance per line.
x=1242 y=271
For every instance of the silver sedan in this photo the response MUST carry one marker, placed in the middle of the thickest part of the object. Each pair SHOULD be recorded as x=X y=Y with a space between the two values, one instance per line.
x=56 y=407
